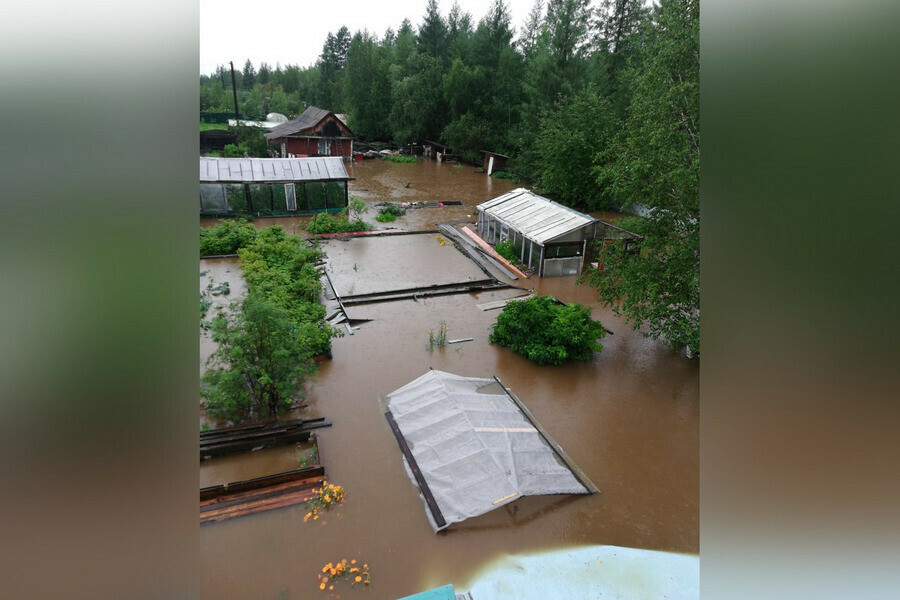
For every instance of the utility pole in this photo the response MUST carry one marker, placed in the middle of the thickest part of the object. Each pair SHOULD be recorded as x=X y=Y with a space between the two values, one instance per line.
x=237 y=116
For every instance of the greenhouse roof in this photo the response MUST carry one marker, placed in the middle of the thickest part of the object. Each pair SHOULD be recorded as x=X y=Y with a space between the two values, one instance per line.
x=537 y=218
x=262 y=170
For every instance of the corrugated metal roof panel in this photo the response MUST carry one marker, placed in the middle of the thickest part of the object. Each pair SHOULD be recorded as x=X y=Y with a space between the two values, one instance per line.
x=536 y=217
x=258 y=170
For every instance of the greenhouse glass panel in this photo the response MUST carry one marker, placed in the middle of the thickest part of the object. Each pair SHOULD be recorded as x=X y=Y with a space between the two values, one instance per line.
x=212 y=198
x=315 y=195
x=283 y=197
x=337 y=194
x=260 y=197
x=236 y=197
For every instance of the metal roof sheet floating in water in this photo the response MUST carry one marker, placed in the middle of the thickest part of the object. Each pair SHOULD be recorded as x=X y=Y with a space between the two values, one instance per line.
x=470 y=452
x=262 y=170
x=534 y=216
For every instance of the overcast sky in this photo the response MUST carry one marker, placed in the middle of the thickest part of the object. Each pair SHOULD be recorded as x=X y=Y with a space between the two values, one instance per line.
x=293 y=31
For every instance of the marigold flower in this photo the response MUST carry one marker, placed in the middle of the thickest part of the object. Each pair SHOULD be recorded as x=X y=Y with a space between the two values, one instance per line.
x=321 y=586
x=330 y=587
x=353 y=562
x=358 y=579
x=326 y=567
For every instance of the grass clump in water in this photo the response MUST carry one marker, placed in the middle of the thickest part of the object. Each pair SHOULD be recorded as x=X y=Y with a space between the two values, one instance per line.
x=389 y=213
x=395 y=158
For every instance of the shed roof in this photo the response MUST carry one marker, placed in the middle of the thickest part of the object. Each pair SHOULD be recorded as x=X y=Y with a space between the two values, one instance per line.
x=311 y=117
x=260 y=170
x=537 y=218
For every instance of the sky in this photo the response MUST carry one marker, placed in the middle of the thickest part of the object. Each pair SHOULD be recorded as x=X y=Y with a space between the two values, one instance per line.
x=293 y=31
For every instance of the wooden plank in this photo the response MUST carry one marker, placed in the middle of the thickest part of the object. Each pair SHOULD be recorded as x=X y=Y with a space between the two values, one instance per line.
x=578 y=473
x=215 y=491
x=502 y=303
x=417 y=473
x=487 y=248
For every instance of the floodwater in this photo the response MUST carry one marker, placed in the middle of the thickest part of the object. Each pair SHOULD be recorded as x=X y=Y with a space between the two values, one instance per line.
x=629 y=418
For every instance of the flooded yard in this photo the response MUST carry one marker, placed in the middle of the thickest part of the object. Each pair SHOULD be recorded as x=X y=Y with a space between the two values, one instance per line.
x=629 y=418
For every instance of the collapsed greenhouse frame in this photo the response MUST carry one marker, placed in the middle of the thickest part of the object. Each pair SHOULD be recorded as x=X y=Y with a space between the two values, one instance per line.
x=470 y=452
x=272 y=186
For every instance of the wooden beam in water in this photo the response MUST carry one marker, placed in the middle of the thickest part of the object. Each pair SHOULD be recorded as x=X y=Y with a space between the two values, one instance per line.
x=417 y=473
x=578 y=473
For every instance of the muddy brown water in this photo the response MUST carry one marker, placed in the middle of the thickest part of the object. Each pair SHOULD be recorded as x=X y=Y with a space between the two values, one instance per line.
x=629 y=418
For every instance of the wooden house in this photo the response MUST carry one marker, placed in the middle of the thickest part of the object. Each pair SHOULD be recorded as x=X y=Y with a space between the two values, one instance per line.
x=317 y=132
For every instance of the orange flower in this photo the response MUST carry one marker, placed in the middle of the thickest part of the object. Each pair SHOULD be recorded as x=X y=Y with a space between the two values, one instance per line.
x=353 y=562
x=326 y=567
x=321 y=586
x=333 y=571
x=365 y=566
x=358 y=579
x=330 y=587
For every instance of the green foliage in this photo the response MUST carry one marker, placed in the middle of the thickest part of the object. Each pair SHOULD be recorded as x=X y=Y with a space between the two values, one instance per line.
x=546 y=332
x=396 y=158
x=260 y=363
x=655 y=160
x=389 y=213
x=227 y=237
x=234 y=150
x=251 y=140
x=211 y=126
x=325 y=223
x=507 y=250
x=505 y=175
x=438 y=339
x=282 y=268
x=356 y=209
x=569 y=139
x=632 y=224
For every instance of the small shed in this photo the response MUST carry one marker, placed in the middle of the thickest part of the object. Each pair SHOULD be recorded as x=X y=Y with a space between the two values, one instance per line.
x=547 y=236
x=316 y=132
x=494 y=162
x=272 y=186
x=435 y=150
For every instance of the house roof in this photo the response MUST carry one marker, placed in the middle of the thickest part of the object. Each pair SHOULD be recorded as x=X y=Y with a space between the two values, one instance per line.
x=311 y=117
x=537 y=218
x=260 y=170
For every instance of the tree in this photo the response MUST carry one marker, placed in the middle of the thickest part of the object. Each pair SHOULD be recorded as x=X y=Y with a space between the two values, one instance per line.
x=532 y=28
x=566 y=148
x=432 y=38
x=546 y=332
x=248 y=76
x=356 y=209
x=260 y=364
x=655 y=161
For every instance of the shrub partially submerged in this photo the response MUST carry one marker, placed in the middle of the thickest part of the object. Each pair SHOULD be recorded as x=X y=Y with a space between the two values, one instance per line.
x=546 y=332
x=227 y=237
x=325 y=223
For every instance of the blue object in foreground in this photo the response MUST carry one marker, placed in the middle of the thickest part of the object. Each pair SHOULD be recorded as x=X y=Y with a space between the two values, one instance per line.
x=444 y=592
x=608 y=572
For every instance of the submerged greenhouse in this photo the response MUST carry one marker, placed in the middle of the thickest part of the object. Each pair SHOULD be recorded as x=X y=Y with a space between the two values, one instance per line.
x=272 y=186
x=547 y=236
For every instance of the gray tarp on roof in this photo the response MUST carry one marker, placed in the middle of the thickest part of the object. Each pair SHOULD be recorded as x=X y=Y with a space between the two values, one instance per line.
x=537 y=218
x=261 y=170
x=311 y=117
x=476 y=451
